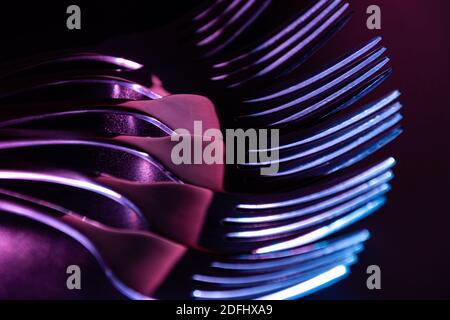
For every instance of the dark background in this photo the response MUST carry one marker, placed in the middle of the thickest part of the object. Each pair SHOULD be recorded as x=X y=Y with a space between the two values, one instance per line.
x=411 y=234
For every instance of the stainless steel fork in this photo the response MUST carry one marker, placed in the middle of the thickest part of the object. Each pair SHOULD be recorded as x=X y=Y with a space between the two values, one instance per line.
x=218 y=222
x=141 y=265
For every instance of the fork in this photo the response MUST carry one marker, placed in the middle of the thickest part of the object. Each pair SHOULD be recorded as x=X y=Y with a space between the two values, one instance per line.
x=321 y=109
x=168 y=39
x=149 y=159
x=347 y=87
x=354 y=76
x=340 y=140
x=306 y=154
x=218 y=222
x=367 y=129
x=161 y=269
x=153 y=118
x=383 y=128
x=333 y=137
x=200 y=81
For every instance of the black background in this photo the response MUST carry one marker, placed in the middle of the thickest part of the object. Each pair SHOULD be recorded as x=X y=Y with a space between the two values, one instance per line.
x=411 y=234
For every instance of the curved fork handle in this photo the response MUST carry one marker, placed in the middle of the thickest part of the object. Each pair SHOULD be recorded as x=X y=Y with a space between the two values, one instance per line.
x=210 y=176
x=179 y=111
x=64 y=59
x=176 y=111
x=140 y=260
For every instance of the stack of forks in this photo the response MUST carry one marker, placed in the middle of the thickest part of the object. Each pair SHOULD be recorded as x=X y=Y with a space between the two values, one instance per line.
x=86 y=176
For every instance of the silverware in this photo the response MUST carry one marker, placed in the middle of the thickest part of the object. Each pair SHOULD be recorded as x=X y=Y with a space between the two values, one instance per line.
x=89 y=149
x=147 y=159
x=149 y=118
x=202 y=219
x=142 y=265
x=206 y=37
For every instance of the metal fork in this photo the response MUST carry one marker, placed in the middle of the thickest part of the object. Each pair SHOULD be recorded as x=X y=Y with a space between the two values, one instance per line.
x=332 y=89
x=338 y=141
x=211 y=221
x=149 y=159
x=305 y=102
x=284 y=48
x=149 y=118
x=232 y=24
x=143 y=159
x=212 y=34
x=360 y=132
x=333 y=137
x=165 y=270
x=351 y=78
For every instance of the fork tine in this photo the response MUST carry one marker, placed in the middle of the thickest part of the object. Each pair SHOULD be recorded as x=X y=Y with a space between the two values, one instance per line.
x=326 y=191
x=348 y=60
x=390 y=117
x=329 y=85
x=339 y=163
x=208 y=10
x=347 y=240
x=285 y=50
x=264 y=232
x=235 y=26
x=280 y=62
x=349 y=99
x=377 y=145
x=276 y=37
x=257 y=291
x=324 y=130
x=311 y=285
x=215 y=20
x=326 y=230
x=281 y=259
x=235 y=279
x=333 y=102
x=321 y=104
x=350 y=147
x=295 y=213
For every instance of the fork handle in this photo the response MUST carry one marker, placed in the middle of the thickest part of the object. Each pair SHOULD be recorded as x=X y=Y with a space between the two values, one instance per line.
x=175 y=111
